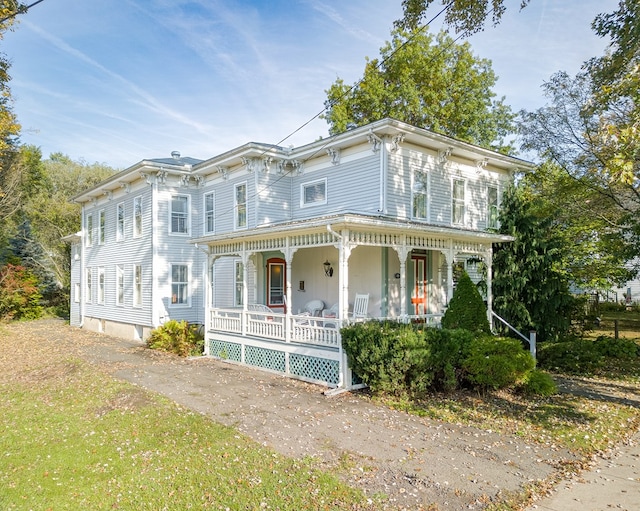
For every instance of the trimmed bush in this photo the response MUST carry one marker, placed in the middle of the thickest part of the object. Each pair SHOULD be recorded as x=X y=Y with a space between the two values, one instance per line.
x=575 y=356
x=447 y=350
x=176 y=337
x=538 y=383
x=388 y=356
x=497 y=362
x=466 y=308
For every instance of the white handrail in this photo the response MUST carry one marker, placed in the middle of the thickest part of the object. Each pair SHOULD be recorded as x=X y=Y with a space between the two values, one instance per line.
x=532 y=335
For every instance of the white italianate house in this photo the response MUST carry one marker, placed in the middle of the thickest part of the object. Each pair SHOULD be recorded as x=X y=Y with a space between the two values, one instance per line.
x=272 y=249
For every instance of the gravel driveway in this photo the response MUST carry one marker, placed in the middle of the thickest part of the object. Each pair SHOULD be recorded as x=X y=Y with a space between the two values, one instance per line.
x=419 y=463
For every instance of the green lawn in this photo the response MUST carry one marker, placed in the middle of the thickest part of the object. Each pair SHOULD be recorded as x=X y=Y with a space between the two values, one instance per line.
x=73 y=438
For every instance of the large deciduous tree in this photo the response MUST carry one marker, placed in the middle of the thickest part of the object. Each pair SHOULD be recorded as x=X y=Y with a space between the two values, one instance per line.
x=428 y=81
x=464 y=16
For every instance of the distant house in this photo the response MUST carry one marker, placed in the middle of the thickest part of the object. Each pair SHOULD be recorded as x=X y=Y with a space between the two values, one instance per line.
x=269 y=247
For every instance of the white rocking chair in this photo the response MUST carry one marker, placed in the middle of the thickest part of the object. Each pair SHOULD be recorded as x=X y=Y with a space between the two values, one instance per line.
x=360 y=306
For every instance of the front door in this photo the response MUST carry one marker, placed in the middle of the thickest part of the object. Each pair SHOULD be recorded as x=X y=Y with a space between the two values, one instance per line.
x=276 y=282
x=419 y=293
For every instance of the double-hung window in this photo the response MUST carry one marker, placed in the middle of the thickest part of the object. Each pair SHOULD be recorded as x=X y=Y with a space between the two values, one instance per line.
x=137 y=286
x=89 y=230
x=179 y=284
x=457 y=202
x=239 y=279
x=137 y=216
x=492 y=207
x=313 y=193
x=101 y=285
x=119 y=285
x=209 y=213
x=120 y=222
x=420 y=195
x=241 y=206
x=88 y=285
x=101 y=227
x=179 y=214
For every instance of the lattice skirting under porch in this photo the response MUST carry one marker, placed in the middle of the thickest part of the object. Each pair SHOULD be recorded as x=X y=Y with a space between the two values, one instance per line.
x=318 y=367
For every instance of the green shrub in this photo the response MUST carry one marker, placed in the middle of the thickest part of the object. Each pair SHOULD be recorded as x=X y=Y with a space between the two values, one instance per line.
x=466 y=308
x=610 y=307
x=447 y=350
x=538 y=383
x=616 y=348
x=497 y=362
x=574 y=356
x=176 y=337
x=388 y=356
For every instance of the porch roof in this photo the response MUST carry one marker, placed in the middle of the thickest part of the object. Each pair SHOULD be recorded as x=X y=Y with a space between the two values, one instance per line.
x=333 y=225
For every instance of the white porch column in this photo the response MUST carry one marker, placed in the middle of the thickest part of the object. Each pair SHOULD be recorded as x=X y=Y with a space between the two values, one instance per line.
x=403 y=252
x=244 y=257
x=344 y=253
x=289 y=252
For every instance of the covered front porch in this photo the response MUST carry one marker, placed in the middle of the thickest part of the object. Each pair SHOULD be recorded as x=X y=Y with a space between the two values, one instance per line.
x=278 y=295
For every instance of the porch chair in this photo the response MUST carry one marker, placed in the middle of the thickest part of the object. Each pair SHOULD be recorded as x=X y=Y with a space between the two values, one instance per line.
x=360 y=306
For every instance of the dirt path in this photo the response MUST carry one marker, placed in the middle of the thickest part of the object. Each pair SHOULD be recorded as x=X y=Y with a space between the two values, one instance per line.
x=417 y=462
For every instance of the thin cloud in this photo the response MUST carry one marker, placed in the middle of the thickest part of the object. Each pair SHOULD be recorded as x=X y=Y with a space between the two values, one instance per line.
x=148 y=100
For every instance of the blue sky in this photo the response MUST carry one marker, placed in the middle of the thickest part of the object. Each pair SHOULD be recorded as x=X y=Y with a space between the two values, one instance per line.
x=119 y=81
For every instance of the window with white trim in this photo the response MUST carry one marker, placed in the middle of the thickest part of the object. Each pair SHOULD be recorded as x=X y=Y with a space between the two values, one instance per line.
x=179 y=213
x=137 y=216
x=492 y=207
x=420 y=195
x=240 y=204
x=457 y=202
x=209 y=213
x=88 y=285
x=239 y=279
x=137 y=286
x=101 y=285
x=101 y=227
x=119 y=285
x=179 y=284
x=120 y=221
x=76 y=292
x=313 y=193
x=89 y=230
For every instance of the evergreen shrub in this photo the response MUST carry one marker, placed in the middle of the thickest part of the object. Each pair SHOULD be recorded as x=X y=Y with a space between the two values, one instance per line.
x=538 y=383
x=497 y=362
x=447 y=350
x=573 y=356
x=388 y=356
x=617 y=348
x=176 y=337
x=466 y=308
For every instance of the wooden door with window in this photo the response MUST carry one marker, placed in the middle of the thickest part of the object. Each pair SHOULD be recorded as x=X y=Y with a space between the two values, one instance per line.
x=419 y=292
x=276 y=284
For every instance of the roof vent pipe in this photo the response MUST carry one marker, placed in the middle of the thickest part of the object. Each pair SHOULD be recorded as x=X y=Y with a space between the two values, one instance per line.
x=175 y=155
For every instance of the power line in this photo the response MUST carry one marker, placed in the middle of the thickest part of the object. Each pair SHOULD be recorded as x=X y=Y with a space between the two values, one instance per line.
x=21 y=9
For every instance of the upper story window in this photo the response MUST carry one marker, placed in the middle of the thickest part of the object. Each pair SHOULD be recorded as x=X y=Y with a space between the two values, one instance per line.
x=420 y=195
x=209 y=213
x=492 y=207
x=313 y=193
x=179 y=284
x=120 y=222
x=241 y=206
x=457 y=202
x=179 y=223
x=89 y=230
x=101 y=227
x=137 y=216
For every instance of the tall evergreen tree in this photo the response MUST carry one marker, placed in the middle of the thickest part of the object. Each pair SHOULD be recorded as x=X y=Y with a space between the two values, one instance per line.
x=530 y=287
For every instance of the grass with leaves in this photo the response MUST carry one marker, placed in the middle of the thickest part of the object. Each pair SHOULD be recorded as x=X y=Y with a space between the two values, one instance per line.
x=73 y=438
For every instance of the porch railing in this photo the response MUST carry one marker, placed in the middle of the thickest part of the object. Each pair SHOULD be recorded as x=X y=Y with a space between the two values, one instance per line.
x=273 y=326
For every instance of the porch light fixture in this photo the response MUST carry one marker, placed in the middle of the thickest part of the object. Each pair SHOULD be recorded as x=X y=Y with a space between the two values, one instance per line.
x=328 y=270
